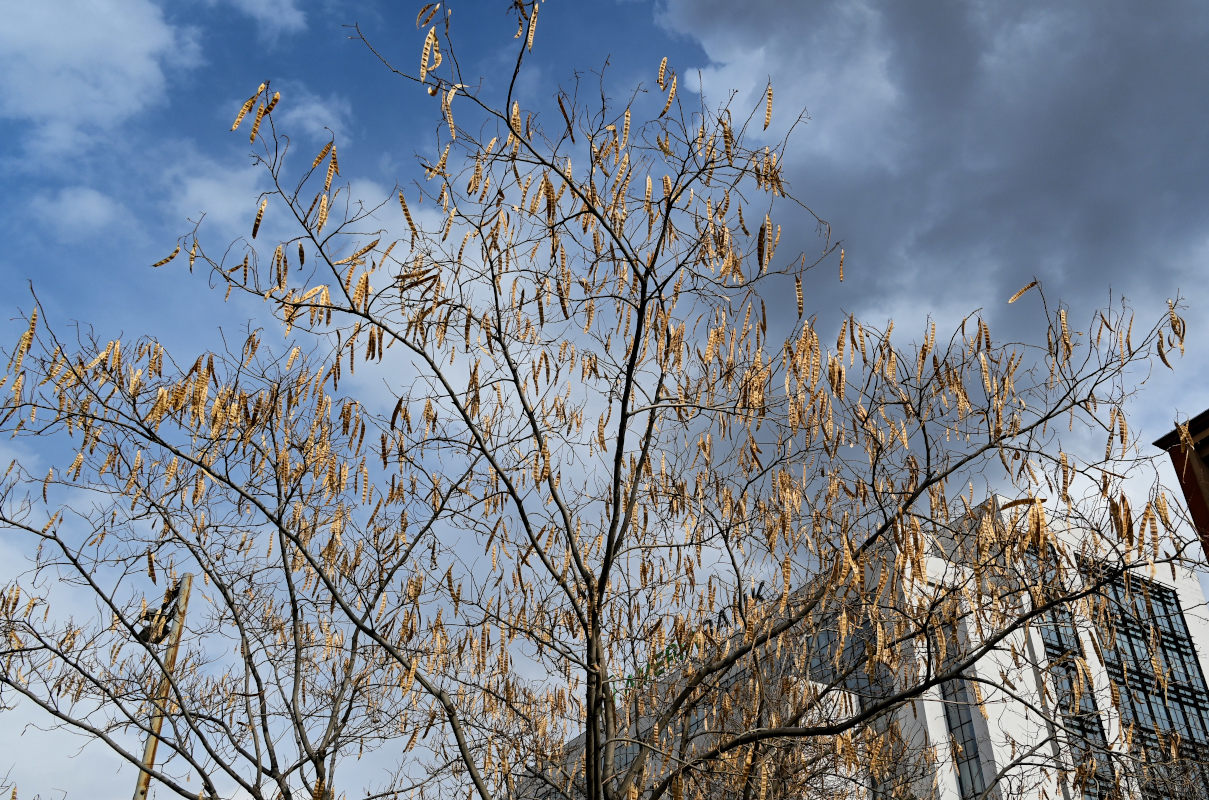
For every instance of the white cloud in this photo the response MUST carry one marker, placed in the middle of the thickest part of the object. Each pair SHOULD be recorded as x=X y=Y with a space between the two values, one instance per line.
x=837 y=68
x=77 y=210
x=303 y=111
x=225 y=193
x=275 y=16
x=73 y=64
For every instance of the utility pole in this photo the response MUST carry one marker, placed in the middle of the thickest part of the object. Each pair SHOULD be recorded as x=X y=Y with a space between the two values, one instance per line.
x=179 y=603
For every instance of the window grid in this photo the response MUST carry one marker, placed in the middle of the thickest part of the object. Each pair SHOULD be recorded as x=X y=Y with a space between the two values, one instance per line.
x=1076 y=702
x=826 y=664
x=1147 y=628
x=959 y=719
x=964 y=737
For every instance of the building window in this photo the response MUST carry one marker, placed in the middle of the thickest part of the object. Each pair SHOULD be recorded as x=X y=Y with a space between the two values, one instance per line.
x=697 y=719
x=850 y=669
x=958 y=707
x=624 y=755
x=1149 y=658
x=959 y=717
x=1077 y=704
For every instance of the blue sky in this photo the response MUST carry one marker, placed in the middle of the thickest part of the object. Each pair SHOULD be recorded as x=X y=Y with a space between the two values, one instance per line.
x=958 y=149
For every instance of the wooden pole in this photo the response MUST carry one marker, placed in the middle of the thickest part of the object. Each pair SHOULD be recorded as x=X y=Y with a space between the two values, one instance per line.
x=160 y=703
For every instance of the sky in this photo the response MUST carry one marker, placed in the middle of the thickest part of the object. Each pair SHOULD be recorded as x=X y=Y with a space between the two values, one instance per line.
x=958 y=150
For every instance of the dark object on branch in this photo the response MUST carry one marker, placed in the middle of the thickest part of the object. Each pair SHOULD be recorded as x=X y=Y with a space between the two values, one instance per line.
x=160 y=621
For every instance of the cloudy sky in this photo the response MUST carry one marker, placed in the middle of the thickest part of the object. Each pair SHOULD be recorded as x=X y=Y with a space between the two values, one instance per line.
x=958 y=149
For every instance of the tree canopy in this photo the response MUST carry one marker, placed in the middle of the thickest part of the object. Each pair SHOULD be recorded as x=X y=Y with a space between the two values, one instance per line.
x=548 y=425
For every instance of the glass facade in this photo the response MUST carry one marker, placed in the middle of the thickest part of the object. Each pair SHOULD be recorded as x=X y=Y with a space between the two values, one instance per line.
x=959 y=718
x=1164 y=703
x=849 y=670
x=1076 y=704
x=959 y=705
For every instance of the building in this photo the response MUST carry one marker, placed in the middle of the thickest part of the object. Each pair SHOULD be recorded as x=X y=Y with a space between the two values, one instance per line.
x=1112 y=692
x=1104 y=697
x=1188 y=447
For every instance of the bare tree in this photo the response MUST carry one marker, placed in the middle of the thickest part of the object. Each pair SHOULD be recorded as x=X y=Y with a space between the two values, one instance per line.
x=615 y=486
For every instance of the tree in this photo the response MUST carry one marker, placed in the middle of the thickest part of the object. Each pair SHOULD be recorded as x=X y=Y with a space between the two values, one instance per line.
x=601 y=430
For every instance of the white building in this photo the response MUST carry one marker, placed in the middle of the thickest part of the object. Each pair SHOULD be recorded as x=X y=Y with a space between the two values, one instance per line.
x=1104 y=697
x=1107 y=698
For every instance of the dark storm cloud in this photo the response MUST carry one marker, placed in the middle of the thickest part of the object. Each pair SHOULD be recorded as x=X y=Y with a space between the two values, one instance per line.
x=958 y=148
